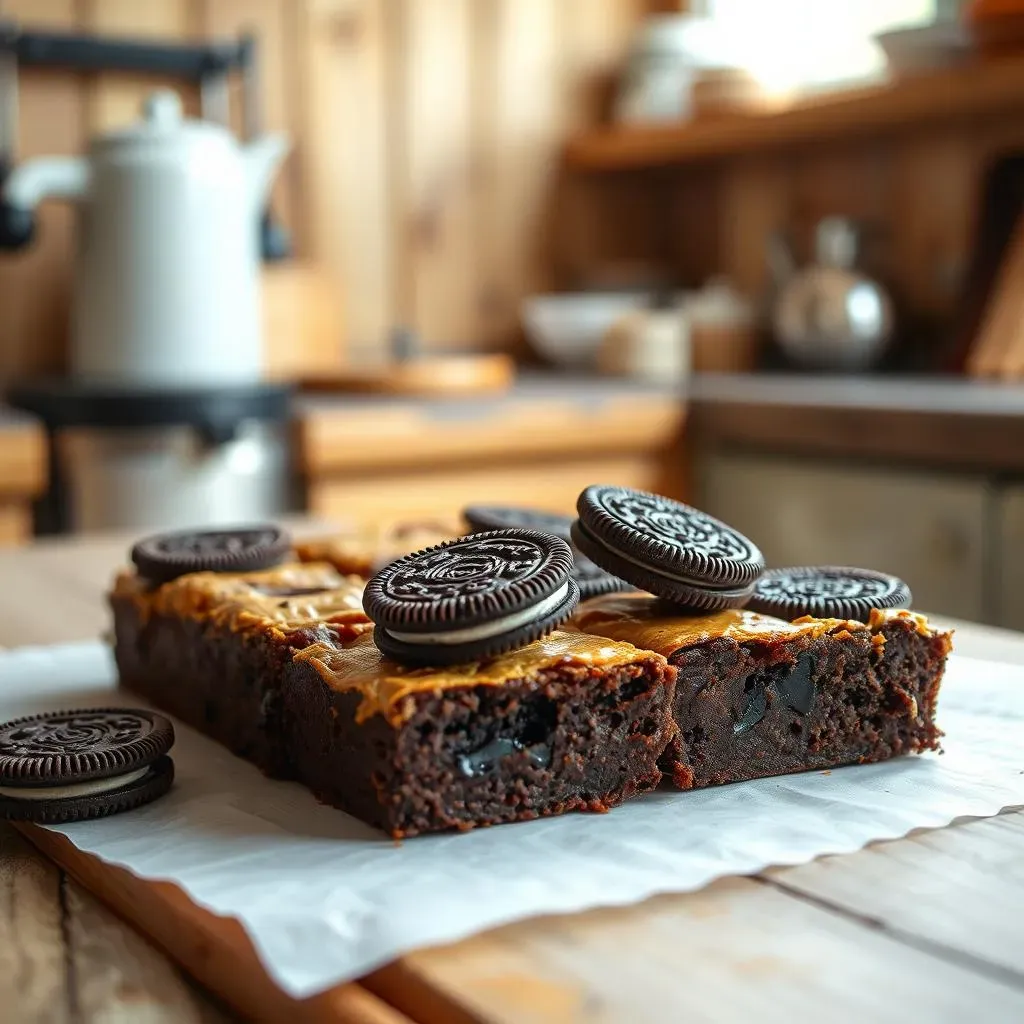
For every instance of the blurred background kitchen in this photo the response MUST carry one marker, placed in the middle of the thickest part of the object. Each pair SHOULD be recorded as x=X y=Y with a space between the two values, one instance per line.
x=375 y=259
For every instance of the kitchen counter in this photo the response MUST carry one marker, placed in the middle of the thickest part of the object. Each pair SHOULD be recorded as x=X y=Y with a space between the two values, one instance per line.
x=948 y=422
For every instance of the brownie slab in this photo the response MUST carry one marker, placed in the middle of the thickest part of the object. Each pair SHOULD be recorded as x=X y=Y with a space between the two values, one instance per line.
x=280 y=667
x=569 y=722
x=211 y=648
x=757 y=696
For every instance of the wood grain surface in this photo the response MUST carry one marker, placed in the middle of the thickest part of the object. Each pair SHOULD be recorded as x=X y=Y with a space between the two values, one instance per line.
x=426 y=138
x=927 y=928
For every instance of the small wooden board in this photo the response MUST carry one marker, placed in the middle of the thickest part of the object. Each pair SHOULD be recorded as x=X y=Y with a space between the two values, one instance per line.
x=998 y=349
x=214 y=950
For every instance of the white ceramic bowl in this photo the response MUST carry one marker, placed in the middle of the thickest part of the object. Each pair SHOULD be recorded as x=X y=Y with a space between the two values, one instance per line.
x=911 y=51
x=567 y=329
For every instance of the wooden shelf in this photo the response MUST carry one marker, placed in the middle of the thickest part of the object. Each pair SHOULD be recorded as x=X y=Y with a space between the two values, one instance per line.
x=980 y=89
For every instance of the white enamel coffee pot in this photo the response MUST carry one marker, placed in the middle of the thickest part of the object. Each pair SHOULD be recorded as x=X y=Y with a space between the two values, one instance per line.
x=167 y=264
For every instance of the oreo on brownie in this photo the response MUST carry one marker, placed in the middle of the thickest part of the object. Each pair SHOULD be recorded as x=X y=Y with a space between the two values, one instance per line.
x=590 y=578
x=667 y=548
x=471 y=598
x=166 y=556
x=827 y=592
x=72 y=765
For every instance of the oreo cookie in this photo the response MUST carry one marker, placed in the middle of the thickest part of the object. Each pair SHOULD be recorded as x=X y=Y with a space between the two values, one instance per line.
x=166 y=556
x=471 y=598
x=827 y=592
x=590 y=578
x=72 y=765
x=505 y=517
x=667 y=548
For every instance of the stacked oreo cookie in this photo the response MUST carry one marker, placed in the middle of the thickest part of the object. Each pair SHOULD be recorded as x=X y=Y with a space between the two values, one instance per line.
x=703 y=565
x=72 y=765
x=472 y=598
x=667 y=548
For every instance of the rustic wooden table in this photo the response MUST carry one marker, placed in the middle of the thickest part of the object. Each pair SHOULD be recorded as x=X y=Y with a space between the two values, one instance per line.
x=927 y=928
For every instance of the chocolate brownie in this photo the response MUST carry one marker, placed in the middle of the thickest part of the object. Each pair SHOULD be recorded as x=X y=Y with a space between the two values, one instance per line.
x=279 y=666
x=211 y=648
x=758 y=696
x=569 y=722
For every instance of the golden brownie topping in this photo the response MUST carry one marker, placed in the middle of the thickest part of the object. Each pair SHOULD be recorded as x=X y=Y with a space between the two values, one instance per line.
x=648 y=623
x=384 y=684
x=362 y=552
x=282 y=599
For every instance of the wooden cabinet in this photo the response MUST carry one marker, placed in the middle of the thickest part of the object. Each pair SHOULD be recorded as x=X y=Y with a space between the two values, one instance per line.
x=22 y=475
x=1008 y=566
x=424 y=460
x=929 y=529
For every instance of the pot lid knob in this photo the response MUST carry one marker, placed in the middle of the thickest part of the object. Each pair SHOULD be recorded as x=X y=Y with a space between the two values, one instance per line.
x=162 y=109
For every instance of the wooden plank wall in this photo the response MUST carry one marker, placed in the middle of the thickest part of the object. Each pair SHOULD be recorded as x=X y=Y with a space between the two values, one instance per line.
x=426 y=140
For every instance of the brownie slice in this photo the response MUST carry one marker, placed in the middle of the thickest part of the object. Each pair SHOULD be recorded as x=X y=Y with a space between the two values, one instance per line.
x=211 y=648
x=756 y=696
x=280 y=667
x=566 y=723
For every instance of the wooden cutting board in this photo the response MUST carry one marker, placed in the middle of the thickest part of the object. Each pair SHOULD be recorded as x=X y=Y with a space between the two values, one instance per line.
x=214 y=950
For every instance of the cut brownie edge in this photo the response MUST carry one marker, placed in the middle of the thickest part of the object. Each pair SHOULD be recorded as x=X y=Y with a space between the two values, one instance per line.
x=810 y=703
x=569 y=737
x=219 y=683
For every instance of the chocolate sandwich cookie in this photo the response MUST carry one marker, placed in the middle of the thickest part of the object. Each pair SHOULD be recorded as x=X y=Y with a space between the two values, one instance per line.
x=827 y=592
x=667 y=548
x=471 y=598
x=590 y=578
x=482 y=518
x=166 y=556
x=72 y=765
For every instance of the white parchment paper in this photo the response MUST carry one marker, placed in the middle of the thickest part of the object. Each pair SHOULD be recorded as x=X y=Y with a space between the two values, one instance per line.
x=325 y=898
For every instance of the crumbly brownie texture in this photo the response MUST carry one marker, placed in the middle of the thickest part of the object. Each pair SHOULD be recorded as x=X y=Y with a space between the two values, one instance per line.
x=363 y=553
x=211 y=648
x=569 y=722
x=265 y=663
x=757 y=696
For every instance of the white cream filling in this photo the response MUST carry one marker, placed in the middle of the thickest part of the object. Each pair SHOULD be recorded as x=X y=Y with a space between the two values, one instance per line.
x=487 y=629
x=90 y=788
x=668 y=574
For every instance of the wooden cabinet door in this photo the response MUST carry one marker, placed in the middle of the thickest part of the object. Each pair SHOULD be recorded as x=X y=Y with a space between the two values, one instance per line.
x=926 y=528
x=1009 y=560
